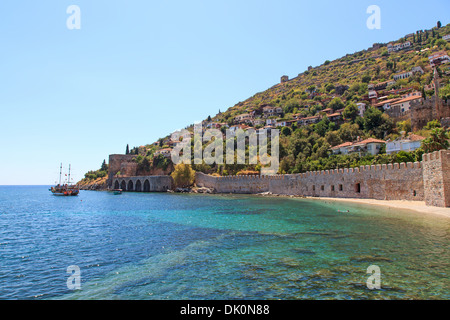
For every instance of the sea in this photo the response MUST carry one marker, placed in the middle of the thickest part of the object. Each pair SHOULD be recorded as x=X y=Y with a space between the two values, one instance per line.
x=168 y=246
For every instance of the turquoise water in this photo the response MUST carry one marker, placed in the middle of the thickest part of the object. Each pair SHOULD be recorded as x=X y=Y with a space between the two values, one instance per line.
x=186 y=246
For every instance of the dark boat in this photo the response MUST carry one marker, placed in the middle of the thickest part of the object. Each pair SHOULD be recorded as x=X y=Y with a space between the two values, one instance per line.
x=65 y=190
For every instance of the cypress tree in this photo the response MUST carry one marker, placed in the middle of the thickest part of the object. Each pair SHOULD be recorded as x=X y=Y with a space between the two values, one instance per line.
x=127 y=150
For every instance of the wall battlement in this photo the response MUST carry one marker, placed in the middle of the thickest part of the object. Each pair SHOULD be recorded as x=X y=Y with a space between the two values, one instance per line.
x=427 y=181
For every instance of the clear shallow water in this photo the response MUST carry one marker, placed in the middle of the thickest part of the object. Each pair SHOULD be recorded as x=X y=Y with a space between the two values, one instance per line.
x=178 y=246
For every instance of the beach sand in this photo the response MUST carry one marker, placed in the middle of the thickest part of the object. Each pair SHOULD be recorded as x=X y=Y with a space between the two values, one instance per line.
x=399 y=204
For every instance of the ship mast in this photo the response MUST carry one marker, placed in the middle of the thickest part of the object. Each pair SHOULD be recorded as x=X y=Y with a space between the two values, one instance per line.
x=60 y=173
x=68 y=183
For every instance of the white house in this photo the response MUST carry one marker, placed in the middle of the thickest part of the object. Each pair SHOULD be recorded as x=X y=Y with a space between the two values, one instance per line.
x=403 y=75
x=271 y=122
x=417 y=69
x=361 y=108
x=446 y=37
x=411 y=143
x=373 y=94
x=398 y=46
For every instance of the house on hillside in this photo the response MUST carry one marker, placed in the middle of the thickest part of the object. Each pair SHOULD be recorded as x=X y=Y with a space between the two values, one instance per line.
x=258 y=122
x=438 y=58
x=362 y=147
x=403 y=105
x=308 y=120
x=381 y=86
x=399 y=46
x=165 y=152
x=361 y=108
x=269 y=111
x=408 y=144
x=243 y=118
x=386 y=104
x=403 y=75
x=234 y=128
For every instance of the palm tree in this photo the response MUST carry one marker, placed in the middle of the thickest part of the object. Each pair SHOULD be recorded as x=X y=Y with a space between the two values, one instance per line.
x=438 y=140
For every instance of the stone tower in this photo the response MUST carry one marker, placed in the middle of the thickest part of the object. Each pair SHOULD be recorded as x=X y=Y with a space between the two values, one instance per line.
x=437 y=112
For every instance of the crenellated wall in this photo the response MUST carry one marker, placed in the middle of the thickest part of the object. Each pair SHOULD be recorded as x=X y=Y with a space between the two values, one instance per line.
x=427 y=181
x=385 y=182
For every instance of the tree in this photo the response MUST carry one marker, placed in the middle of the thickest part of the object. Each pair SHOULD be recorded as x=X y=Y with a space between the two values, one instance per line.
x=432 y=124
x=183 y=175
x=104 y=166
x=366 y=78
x=127 y=151
x=322 y=127
x=404 y=126
x=336 y=104
x=351 y=112
x=438 y=140
x=444 y=92
x=349 y=132
x=377 y=123
x=439 y=24
x=286 y=131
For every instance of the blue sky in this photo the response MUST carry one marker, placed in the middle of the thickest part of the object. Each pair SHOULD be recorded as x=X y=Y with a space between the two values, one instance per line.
x=138 y=70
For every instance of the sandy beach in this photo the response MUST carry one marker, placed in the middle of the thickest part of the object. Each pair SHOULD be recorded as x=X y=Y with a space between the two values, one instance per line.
x=418 y=206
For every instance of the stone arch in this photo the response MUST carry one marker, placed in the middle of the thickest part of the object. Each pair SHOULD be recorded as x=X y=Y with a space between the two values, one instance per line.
x=146 y=186
x=116 y=185
x=123 y=185
x=138 y=186
x=130 y=186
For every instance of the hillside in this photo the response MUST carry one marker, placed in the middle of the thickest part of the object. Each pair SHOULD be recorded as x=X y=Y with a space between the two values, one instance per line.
x=331 y=104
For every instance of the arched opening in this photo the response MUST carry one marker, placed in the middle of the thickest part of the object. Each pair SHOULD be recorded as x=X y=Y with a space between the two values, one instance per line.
x=146 y=186
x=116 y=185
x=138 y=187
x=123 y=185
x=130 y=186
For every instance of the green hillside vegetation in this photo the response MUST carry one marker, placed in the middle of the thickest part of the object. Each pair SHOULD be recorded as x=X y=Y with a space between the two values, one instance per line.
x=338 y=84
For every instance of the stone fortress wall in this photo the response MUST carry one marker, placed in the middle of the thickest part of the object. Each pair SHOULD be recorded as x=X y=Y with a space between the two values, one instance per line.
x=427 y=181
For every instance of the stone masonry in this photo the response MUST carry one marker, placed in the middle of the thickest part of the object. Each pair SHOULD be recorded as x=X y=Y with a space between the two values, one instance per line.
x=436 y=167
x=427 y=181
